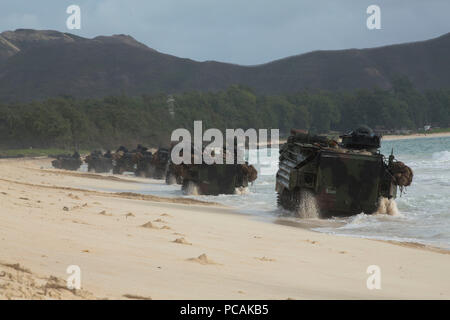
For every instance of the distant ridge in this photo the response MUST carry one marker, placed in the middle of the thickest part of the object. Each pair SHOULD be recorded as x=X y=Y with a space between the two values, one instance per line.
x=36 y=64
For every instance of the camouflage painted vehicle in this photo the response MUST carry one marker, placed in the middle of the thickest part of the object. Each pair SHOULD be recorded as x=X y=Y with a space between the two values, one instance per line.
x=124 y=161
x=140 y=161
x=144 y=167
x=344 y=178
x=159 y=163
x=68 y=162
x=217 y=179
x=143 y=161
x=98 y=162
x=214 y=179
x=174 y=173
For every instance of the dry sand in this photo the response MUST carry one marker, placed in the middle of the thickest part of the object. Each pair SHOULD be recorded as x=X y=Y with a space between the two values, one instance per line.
x=188 y=249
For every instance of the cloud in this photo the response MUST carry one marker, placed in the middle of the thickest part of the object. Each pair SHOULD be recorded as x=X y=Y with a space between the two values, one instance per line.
x=20 y=20
x=243 y=32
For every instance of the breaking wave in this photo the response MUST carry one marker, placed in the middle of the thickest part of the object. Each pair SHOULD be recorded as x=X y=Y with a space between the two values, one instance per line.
x=441 y=156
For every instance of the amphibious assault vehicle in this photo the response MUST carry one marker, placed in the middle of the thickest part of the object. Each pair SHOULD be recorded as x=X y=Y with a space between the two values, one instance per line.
x=143 y=158
x=99 y=162
x=141 y=161
x=343 y=178
x=174 y=173
x=159 y=163
x=217 y=179
x=211 y=179
x=68 y=162
x=124 y=161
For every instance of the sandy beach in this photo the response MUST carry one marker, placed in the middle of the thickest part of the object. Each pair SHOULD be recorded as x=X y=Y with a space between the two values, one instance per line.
x=146 y=247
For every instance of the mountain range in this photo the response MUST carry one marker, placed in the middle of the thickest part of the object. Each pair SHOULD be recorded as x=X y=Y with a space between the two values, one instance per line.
x=36 y=64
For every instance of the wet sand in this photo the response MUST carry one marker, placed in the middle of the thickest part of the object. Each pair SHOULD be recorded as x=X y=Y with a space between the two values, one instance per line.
x=130 y=246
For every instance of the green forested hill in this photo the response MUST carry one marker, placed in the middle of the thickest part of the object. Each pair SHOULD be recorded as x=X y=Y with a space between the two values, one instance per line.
x=128 y=120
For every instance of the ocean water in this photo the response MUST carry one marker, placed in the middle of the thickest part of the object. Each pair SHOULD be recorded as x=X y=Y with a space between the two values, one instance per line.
x=424 y=206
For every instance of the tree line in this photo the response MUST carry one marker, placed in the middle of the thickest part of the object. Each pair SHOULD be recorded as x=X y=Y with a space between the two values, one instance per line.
x=71 y=123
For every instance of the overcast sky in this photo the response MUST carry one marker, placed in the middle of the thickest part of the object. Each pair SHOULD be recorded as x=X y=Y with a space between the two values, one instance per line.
x=238 y=31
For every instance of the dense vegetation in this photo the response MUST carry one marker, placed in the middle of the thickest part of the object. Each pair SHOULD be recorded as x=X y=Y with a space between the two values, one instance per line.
x=65 y=122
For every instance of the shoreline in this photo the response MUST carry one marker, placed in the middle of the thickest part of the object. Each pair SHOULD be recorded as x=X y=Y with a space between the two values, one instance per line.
x=415 y=136
x=309 y=225
x=131 y=247
x=312 y=225
x=388 y=137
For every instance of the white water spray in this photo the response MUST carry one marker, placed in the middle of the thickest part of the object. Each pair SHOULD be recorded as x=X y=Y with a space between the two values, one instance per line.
x=387 y=206
x=308 y=208
x=241 y=190
x=191 y=189
x=171 y=179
